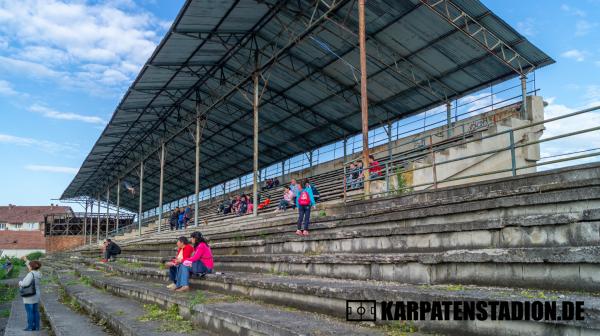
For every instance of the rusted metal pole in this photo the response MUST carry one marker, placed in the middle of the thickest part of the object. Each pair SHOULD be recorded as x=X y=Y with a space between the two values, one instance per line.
x=160 y=187
x=98 y=222
x=255 y=174
x=364 y=103
x=140 y=203
x=85 y=223
x=118 y=205
x=107 y=209
x=197 y=168
x=449 y=118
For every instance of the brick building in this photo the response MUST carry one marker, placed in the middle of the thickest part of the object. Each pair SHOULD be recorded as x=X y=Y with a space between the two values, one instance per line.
x=22 y=228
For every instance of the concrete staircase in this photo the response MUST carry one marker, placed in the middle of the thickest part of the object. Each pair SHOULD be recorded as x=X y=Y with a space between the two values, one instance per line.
x=525 y=238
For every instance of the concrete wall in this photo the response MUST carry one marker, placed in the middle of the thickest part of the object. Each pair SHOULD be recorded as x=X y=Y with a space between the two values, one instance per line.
x=63 y=243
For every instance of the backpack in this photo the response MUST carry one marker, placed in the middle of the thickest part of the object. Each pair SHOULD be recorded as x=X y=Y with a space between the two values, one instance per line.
x=304 y=198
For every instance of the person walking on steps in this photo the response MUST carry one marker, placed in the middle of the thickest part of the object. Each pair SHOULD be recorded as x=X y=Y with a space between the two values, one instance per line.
x=29 y=289
x=111 y=250
x=304 y=201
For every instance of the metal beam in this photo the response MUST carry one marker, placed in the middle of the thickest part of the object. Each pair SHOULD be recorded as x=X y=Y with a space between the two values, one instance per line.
x=160 y=191
x=141 y=201
x=364 y=102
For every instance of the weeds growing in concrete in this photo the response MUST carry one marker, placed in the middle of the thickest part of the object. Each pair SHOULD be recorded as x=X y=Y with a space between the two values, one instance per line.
x=169 y=319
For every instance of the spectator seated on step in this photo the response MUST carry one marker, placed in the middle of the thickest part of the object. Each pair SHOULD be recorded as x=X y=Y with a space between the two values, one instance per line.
x=268 y=184
x=293 y=186
x=288 y=200
x=184 y=251
x=111 y=250
x=187 y=216
x=180 y=220
x=225 y=206
x=374 y=168
x=242 y=208
x=200 y=263
x=264 y=204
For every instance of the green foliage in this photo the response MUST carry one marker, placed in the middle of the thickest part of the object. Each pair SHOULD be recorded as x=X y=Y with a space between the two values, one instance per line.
x=197 y=298
x=4 y=313
x=169 y=318
x=322 y=213
x=131 y=264
x=35 y=256
x=7 y=294
x=402 y=186
x=399 y=328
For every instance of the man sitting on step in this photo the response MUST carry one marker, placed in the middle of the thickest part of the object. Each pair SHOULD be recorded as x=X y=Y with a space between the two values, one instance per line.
x=111 y=250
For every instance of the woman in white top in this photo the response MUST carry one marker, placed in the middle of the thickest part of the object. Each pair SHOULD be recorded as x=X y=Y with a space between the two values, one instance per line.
x=32 y=303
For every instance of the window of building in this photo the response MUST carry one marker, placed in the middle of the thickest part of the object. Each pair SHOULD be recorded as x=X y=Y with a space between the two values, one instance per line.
x=31 y=226
x=2 y=226
x=17 y=226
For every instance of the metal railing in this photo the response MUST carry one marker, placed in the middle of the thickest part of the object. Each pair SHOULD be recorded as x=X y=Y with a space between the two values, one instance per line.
x=400 y=164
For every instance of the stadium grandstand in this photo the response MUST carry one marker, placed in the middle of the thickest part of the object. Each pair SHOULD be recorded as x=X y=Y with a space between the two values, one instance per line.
x=425 y=193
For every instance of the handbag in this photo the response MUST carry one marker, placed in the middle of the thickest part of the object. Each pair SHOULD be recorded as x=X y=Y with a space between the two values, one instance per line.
x=29 y=290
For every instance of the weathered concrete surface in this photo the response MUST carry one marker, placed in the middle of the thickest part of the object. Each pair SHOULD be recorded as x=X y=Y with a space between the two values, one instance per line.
x=227 y=318
x=64 y=321
x=121 y=314
x=18 y=321
x=329 y=295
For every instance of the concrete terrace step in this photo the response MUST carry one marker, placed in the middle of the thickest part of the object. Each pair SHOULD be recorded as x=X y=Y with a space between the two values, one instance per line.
x=225 y=314
x=121 y=314
x=329 y=296
x=18 y=321
x=566 y=268
x=63 y=320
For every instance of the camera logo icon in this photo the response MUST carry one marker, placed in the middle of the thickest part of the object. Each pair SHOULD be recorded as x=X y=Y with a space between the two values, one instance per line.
x=361 y=310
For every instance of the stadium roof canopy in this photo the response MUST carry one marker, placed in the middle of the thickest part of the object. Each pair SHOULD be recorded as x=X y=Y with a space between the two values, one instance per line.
x=420 y=54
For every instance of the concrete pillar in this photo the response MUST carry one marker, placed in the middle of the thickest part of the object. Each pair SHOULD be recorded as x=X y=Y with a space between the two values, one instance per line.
x=255 y=132
x=449 y=118
x=107 y=210
x=524 y=97
x=85 y=223
x=98 y=222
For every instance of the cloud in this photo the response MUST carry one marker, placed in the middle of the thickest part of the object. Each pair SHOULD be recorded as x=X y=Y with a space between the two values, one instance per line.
x=52 y=169
x=50 y=113
x=527 y=27
x=6 y=89
x=584 y=27
x=574 y=54
x=44 y=145
x=59 y=40
x=573 y=11
x=571 y=146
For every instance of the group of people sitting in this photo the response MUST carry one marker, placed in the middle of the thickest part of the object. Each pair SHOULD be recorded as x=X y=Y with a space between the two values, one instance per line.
x=271 y=183
x=242 y=204
x=193 y=257
x=356 y=174
x=180 y=218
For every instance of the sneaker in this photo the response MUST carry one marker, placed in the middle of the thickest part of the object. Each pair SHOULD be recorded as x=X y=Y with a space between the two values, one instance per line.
x=172 y=286
x=305 y=233
x=299 y=233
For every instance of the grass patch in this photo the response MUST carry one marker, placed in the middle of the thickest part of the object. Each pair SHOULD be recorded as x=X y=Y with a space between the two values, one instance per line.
x=399 y=328
x=322 y=213
x=453 y=287
x=4 y=313
x=162 y=266
x=197 y=298
x=238 y=238
x=132 y=264
x=7 y=294
x=169 y=319
x=538 y=295
x=274 y=272
x=119 y=313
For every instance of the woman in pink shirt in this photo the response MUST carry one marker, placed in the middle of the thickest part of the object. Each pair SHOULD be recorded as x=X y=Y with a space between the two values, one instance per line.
x=201 y=262
x=288 y=199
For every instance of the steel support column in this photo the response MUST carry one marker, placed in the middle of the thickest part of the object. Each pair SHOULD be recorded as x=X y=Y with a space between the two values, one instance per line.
x=255 y=146
x=91 y=221
x=197 y=168
x=449 y=118
x=98 y=223
x=85 y=223
x=160 y=187
x=141 y=198
x=364 y=103
x=118 y=217
x=107 y=210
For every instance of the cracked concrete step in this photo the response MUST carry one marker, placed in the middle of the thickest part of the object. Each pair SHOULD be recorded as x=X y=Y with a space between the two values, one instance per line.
x=329 y=295
x=121 y=314
x=225 y=314
x=567 y=268
x=18 y=321
x=62 y=319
